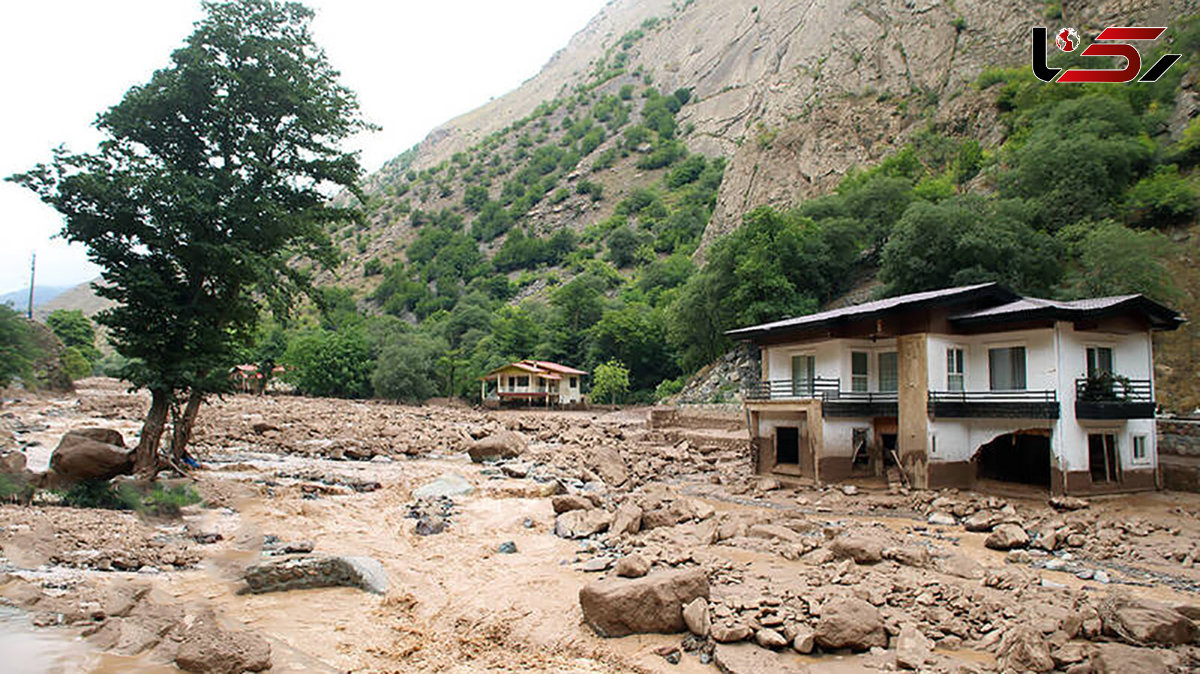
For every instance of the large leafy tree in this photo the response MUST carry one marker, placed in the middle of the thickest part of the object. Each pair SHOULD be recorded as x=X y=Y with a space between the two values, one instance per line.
x=212 y=180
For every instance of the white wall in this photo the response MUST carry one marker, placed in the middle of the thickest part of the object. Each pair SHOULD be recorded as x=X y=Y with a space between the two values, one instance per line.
x=832 y=359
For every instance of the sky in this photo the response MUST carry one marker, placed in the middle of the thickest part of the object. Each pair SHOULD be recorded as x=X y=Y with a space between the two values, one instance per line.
x=413 y=64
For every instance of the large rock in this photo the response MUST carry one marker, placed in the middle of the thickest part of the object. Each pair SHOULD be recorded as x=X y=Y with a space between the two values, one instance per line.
x=1122 y=659
x=1007 y=537
x=206 y=648
x=607 y=463
x=1144 y=622
x=12 y=463
x=912 y=648
x=632 y=566
x=568 y=502
x=616 y=607
x=850 y=623
x=1023 y=649
x=297 y=573
x=981 y=521
x=861 y=549
x=106 y=435
x=627 y=519
x=499 y=445
x=446 y=486
x=696 y=616
x=581 y=523
x=79 y=456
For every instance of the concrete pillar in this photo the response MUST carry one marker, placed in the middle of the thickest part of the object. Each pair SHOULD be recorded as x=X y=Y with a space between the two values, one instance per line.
x=913 y=397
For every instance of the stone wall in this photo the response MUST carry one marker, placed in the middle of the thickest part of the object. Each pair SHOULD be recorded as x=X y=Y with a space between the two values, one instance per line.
x=1179 y=453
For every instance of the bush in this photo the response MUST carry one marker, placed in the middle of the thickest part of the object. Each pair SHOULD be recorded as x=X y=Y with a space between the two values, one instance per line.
x=158 y=500
x=324 y=363
x=76 y=366
x=17 y=349
x=1162 y=198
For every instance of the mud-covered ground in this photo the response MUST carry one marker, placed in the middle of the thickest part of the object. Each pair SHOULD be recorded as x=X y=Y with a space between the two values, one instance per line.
x=1095 y=588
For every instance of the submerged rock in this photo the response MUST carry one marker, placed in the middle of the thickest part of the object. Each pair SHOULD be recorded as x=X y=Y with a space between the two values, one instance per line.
x=298 y=573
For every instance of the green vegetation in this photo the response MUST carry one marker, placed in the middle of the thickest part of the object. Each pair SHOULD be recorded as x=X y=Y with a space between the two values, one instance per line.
x=79 y=336
x=158 y=500
x=211 y=181
x=17 y=350
x=610 y=380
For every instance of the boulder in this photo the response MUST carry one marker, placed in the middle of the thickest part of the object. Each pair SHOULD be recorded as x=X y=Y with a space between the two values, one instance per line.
x=728 y=634
x=1144 y=622
x=106 y=435
x=80 y=457
x=1067 y=503
x=632 y=566
x=1122 y=659
x=861 y=549
x=607 y=463
x=769 y=638
x=804 y=641
x=297 y=573
x=960 y=566
x=499 y=445
x=567 y=502
x=1024 y=650
x=695 y=615
x=446 y=486
x=627 y=519
x=981 y=520
x=941 y=519
x=912 y=648
x=12 y=463
x=915 y=556
x=581 y=523
x=206 y=648
x=850 y=622
x=1007 y=537
x=616 y=607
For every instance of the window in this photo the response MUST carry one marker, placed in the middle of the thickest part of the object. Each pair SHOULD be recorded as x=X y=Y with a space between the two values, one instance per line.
x=574 y=382
x=858 y=371
x=954 y=369
x=523 y=381
x=1099 y=361
x=803 y=368
x=512 y=382
x=1139 y=448
x=1006 y=368
x=889 y=378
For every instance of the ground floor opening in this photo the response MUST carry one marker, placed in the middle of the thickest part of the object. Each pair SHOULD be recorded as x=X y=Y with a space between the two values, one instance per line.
x=1022 y=457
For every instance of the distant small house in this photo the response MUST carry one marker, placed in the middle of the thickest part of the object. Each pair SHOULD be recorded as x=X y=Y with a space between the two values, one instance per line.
x=533 y=381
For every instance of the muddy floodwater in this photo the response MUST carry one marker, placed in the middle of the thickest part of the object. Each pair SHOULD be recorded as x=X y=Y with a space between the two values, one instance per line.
x=483 y=563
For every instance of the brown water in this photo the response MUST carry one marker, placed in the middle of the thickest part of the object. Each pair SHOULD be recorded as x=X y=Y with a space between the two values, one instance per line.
x=27 y=650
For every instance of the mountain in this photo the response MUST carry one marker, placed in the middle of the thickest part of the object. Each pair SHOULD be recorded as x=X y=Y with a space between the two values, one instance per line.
x=660 y=125
x=19 y=299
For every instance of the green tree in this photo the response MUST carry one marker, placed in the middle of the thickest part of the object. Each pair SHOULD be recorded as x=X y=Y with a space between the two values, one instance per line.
x=407 y=369
x=323 y=363
x=610 y=380
x=75 y=330
x=1111 y=259
x=17 y=350
x=211 y=180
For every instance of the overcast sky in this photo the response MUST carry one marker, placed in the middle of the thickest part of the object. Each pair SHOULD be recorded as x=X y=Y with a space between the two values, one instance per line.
x=414 y=65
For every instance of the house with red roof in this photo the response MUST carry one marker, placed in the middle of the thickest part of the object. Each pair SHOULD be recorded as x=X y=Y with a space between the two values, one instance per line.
x=534 y=382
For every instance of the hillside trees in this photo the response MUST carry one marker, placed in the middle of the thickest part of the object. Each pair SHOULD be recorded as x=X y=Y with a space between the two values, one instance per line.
x=211 y=178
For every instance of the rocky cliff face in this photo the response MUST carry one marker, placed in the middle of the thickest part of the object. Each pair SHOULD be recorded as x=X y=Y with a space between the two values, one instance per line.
x=796 y=93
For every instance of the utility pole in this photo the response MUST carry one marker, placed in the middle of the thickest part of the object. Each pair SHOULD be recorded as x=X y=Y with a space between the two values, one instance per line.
x=32 y=268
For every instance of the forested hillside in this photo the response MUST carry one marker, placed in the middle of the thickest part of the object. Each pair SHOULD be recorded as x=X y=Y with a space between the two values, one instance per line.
x=593 y=227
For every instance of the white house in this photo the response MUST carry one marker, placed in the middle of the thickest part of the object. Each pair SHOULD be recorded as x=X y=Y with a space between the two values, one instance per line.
x=533 y=381
x=962 y=385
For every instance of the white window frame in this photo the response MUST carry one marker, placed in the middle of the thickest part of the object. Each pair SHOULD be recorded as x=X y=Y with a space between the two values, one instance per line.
x=865 y=378
x=962 y=373
x=791 y=361
x=1099 y=345
x=1005 y=345
x=879 y=369
x=1134 y=440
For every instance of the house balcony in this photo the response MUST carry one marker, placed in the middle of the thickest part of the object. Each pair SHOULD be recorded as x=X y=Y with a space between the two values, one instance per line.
x=994 y=404
x=834 y=401
x=1109 y=397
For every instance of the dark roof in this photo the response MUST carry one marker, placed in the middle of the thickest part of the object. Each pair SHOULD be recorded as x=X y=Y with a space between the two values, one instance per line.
x=1035 y=308
x=878 y=308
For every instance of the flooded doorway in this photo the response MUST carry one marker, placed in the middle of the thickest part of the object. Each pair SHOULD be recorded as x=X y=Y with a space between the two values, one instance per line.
x=1022 y=457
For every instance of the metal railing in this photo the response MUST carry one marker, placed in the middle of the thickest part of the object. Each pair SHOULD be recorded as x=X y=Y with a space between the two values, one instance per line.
x=788 y=389
x=1018 y=396
x=1114 y=389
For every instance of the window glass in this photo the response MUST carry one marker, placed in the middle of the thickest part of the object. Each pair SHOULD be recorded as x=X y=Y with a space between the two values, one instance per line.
x=523 y=381
x=1139 y=447
x=1006 y=368
x=889 y=376
x=1099 y=361
x=802 y=374
x=954 y=369
x=858 y=371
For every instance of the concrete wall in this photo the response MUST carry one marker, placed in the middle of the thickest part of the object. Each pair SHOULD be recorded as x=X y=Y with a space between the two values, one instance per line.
x=1179 y=453
x=832 y=359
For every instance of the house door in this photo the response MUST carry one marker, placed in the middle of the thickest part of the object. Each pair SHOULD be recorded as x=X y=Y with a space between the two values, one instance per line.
x=787 y=445
x=1103 y=460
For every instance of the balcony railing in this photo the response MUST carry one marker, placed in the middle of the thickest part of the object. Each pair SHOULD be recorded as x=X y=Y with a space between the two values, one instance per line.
x=1114 y=397
x=787 y=389
x=994 y=404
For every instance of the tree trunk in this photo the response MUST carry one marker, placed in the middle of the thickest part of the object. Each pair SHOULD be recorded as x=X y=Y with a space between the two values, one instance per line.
x=182 y=432
x=145 y=458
